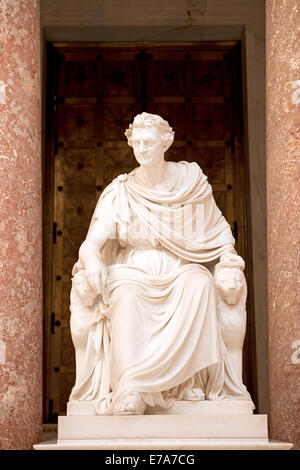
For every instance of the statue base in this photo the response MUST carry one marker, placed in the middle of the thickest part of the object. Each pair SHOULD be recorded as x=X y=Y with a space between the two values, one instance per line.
x=205 y=407
x=196 y=425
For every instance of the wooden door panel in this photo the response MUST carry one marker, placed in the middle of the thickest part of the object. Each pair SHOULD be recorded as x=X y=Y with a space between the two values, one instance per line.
x=117 y=117
x=116 y=160
x=78 y=127
x=80 y=79
x=220 y=198
x=208 y=121
x=121 y=75
x=169 y=78
x=212 y=162
x=174 y=113
x=98 y=92
x=207 y=78
x=65 y=312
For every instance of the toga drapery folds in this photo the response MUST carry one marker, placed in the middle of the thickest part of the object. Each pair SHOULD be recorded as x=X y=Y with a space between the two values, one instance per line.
x=154 y=327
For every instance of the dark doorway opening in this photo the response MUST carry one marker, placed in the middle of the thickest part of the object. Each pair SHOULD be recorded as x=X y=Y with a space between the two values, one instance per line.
x=93 y=93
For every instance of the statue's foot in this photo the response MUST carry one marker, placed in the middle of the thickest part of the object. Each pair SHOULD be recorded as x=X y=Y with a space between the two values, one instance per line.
x=195 y=394
x=131 y=404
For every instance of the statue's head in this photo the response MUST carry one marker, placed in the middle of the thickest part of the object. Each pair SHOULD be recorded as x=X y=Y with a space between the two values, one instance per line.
x=230 y=279
x=150 y=136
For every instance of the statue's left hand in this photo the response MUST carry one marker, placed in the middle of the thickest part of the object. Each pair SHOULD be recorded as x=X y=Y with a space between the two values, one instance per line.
x=96 y=275
x=233 y=260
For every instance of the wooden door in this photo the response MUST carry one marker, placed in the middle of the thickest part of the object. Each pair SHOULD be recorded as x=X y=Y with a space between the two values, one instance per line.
x=94 y=93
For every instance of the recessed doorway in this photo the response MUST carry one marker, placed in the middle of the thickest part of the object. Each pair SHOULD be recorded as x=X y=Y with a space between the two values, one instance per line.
x=93 y=93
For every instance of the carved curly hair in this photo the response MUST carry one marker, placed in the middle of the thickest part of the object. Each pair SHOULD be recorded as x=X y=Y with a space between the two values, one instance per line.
x=147 y=120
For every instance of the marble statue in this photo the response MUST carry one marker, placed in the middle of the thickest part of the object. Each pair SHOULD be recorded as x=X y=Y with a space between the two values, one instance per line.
x=158 y=292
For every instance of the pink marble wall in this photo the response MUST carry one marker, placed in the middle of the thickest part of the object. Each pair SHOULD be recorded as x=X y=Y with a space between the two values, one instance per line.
x=283 y=152
x=20 y=226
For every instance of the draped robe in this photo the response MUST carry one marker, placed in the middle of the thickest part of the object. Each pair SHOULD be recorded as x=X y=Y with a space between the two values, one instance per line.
x=154 y=328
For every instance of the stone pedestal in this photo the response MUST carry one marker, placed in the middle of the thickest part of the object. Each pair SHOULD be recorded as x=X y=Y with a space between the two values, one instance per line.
x=182 y=407
x=213 y=425
x=162 y=432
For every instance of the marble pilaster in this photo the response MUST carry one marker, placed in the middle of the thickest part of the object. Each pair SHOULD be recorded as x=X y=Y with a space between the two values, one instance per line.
x=283 y=151
x=20 y=226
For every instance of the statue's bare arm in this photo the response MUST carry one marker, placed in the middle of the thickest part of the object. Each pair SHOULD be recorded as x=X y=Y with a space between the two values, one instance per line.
x=90 y=256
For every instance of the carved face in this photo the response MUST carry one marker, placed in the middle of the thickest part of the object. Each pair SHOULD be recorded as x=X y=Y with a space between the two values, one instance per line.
x=230 y=282
x=147 y=145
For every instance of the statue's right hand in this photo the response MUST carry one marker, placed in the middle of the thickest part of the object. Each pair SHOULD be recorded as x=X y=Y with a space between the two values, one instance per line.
x=96 y=275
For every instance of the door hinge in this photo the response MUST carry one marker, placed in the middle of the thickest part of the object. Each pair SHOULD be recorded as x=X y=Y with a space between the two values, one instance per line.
x=55 y=143
x=232 y=143
x=54 y=231
x=52 y=323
